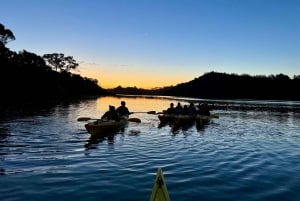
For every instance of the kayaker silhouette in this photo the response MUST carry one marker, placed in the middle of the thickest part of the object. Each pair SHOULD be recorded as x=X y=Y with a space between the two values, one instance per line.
x=171 y=109
x=111 y=114
x=122 y=110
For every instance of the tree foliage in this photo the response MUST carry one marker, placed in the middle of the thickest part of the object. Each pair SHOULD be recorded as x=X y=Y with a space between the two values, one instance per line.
x=60 y=62
x=26 y=76
x=6 y=35
x=231 y=86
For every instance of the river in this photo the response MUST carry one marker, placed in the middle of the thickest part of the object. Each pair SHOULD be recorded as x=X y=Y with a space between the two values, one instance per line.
x=245 y=154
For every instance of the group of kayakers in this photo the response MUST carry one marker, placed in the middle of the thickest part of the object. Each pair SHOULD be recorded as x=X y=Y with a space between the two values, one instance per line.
x=190 y=109
x=115 y=114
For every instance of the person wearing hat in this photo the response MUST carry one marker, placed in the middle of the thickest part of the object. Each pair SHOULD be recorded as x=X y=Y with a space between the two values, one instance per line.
x=111 y=114
x=122 y=110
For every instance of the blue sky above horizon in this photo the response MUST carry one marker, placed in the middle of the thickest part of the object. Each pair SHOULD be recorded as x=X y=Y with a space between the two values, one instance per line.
x=159 y=43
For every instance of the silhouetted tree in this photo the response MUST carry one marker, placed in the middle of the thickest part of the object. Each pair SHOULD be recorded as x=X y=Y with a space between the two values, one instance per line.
x=25 y=76
x=61 y=63
x=32 y=60
x=6 y=35
x=296 y=77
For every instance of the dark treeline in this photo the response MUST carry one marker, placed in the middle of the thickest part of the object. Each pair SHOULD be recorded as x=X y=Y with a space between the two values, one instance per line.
x=216 y=85
x=137 y=91
x=233 y=86
x=28 y=77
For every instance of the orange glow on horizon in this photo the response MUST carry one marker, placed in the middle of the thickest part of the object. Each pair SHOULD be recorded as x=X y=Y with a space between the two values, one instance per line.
x=129 y=78
x=134 y=104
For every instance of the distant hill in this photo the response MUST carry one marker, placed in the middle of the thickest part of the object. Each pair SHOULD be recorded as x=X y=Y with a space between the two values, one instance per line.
x=137 y=91
x=217 y=85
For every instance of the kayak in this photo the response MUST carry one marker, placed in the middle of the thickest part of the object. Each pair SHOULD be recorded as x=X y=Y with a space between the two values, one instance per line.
x=159 y=190
x=181 y=118
x=171 y=118
x=100 y=127
x=184 y=119
x=185 y=122
x=166 y=118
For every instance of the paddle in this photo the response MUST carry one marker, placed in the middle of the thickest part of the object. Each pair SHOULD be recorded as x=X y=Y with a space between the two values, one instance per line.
x=85 y=119
x=137 y=120
x=150 y=112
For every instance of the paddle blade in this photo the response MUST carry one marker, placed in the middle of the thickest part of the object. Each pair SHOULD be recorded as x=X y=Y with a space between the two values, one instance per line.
x=136 y=120
x=151 y=112
x=83 y=119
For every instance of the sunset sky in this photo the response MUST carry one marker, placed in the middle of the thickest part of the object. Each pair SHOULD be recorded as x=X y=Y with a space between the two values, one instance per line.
x=156 y=43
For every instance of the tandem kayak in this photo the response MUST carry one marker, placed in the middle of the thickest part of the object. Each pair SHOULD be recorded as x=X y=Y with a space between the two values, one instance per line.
x=181 y=119
x=159 y=190
x=166 y=118
x=99 y=127
x=185 y=121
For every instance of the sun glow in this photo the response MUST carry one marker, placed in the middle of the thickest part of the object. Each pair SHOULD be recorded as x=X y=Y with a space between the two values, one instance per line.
x=126 y=77
x=134 y=104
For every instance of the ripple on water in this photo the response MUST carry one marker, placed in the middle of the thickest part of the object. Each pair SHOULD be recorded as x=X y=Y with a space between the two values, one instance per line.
x=243 y=155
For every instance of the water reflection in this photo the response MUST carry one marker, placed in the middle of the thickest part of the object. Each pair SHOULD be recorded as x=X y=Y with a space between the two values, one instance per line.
x=201 y=124
x=108 y=136
x=175 y=128
x=3 y=145
x=3 y=134
x=183 y=127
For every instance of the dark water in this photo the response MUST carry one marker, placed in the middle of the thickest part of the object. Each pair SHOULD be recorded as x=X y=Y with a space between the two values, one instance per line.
x=242 y=155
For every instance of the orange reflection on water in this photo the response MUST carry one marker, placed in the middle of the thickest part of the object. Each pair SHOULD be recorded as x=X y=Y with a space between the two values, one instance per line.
x=134 y=104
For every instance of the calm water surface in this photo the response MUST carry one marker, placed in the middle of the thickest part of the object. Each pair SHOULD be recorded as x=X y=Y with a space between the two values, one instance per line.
x=242 y=155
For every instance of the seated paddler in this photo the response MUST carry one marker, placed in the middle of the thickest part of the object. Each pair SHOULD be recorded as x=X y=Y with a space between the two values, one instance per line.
x=122 y=110
x=111 y=114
